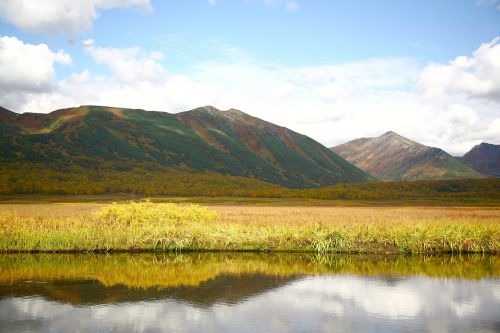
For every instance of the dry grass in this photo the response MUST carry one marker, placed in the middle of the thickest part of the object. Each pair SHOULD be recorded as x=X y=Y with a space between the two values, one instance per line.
x=356 y=215
x=55 y=210
x=149 y=226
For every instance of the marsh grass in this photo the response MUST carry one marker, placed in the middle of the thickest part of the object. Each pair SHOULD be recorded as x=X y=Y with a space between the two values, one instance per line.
x=147 y=226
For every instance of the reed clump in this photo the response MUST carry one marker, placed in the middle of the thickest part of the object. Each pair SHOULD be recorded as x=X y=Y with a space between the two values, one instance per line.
x=147 y=226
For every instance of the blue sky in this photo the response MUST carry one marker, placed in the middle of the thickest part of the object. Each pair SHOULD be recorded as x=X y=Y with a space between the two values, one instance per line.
x=317 y=32
x=332 y=69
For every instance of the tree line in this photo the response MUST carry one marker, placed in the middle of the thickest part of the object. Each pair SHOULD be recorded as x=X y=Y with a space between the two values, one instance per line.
x=151 y=180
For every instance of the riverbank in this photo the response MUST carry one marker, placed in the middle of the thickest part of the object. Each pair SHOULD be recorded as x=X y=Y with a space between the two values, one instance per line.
x=148 y=226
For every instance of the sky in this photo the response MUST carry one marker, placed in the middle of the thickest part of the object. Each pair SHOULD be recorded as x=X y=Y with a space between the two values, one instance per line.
x=334 y=70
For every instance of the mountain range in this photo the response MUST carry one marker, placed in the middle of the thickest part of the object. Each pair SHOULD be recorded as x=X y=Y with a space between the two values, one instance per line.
x=204 y=139
x=393 y=157
x=95 y=149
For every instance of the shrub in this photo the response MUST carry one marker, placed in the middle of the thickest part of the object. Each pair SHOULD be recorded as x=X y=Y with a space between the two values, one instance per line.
x=148 y=213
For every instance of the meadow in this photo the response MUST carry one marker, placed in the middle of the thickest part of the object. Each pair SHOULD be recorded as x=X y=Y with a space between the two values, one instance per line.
x=149 y=226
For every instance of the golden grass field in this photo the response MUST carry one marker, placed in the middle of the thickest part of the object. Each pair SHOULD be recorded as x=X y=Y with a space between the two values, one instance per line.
x=185 y=227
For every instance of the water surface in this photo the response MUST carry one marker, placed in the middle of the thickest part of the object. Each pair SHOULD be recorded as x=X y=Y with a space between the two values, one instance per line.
x=249 y=293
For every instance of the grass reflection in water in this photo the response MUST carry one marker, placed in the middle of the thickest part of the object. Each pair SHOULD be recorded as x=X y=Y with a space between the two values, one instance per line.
x=191 y=269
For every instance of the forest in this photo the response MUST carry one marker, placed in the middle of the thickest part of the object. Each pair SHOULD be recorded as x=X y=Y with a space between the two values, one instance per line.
x=151 y=180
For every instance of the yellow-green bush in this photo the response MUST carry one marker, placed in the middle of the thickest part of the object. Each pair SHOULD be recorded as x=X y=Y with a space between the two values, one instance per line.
x=148 y=213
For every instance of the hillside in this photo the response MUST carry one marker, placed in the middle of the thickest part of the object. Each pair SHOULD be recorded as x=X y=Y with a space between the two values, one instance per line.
x=393 y=157
x=484 y=158
x=202 y=140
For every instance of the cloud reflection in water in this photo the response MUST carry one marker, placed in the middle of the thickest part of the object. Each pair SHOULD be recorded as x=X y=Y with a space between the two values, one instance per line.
x=341 y=303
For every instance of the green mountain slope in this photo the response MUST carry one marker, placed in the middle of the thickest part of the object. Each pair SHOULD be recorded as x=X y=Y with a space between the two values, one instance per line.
x=205 y=139
x=393 y=157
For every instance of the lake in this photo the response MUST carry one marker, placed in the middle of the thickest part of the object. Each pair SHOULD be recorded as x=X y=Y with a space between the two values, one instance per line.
x=248 y=292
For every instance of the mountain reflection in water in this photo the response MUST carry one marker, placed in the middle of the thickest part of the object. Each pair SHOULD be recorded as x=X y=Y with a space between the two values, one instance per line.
x=220 y=292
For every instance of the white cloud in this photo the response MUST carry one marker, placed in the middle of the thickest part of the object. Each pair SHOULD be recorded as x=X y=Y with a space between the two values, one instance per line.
x=61 y=16
x=130 y=66
x=289 y=5
x=331 y=103
x=88 y=42
x=476 y=77
x=26 y=66
x=27 y=69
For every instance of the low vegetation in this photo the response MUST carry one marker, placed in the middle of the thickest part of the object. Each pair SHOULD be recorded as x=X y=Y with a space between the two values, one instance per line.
x=147 y=226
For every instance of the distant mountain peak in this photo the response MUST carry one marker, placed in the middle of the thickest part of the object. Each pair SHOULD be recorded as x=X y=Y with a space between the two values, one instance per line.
x=206 y=108
x=486 y=144
x=232 y=115
x=213 y=109
x=391 y=156
x=390 y=134
x=485 y=158
x=396 y=138
x=209 y=110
